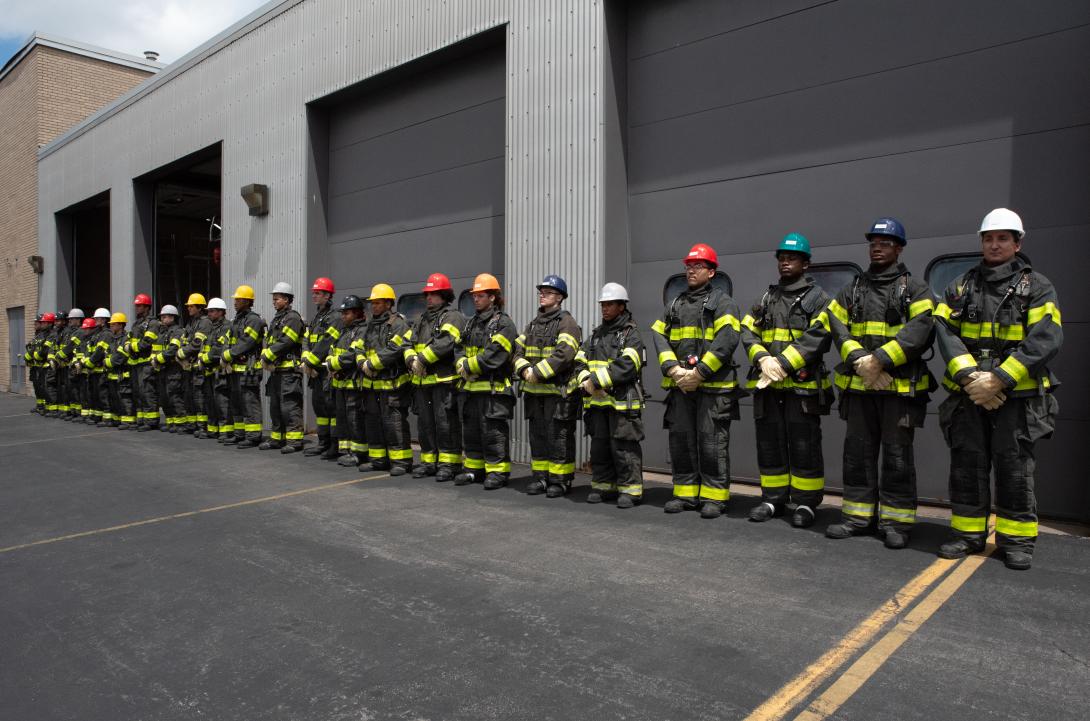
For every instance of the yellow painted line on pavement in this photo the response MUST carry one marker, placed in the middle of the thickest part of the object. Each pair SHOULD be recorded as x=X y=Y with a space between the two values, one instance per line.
x=859 y=672
x=53 y=440
x=186 y=514
x=799 y=688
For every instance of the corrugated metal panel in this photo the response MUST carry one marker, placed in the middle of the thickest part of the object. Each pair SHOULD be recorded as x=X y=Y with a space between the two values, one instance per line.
x=248 y=89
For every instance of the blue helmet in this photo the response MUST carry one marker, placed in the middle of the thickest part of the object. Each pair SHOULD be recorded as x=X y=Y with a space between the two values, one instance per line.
x=888 y=226
x=556 y=283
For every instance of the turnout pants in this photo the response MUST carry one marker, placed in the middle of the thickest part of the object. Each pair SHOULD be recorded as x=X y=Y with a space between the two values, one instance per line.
x=49 y=388
x=325 y=408
x=789 y=457
x=37 y=376
x=486 y=434
x=121 y=395
x=350 y=426
x=616 y=457
x=199 y=391
x=886 y=424
x=145 y=394
x=285 y=392
x=439 y=426
x=387 y=424
x=552 y=438
x=173 y=398
x=699 y=438
x=246 y=404
x=224 y=422
x=1003 y=440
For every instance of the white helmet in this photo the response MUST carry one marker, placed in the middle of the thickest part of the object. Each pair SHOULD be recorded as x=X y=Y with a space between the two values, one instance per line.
x=169 y=310
x=75 y=313
x=613 y=291
x=283 y=289
x=102 y=313
x=1002 y=219
x=216 y=304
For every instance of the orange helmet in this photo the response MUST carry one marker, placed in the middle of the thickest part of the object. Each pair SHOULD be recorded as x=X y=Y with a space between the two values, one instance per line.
x=485 y=281
x=702 y=253
x=436 y=282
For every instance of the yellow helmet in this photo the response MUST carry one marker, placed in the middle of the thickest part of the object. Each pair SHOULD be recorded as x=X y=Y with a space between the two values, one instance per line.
x=119 y=318
x=382 y=292
x=196 y=299
x=244 y=292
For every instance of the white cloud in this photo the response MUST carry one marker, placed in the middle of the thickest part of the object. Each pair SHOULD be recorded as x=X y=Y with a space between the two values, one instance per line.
x=172 y=27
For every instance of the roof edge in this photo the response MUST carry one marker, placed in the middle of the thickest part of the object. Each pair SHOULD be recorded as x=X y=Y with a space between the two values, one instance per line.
x=75 y=47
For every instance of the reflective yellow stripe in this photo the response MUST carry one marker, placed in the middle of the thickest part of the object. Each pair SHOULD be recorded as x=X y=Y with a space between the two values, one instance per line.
x=947 y=313
x=474 y=365
x=252 y=333
x=474 y=464
x=504 y=467
x=401 y=454
x=900 y=385
x=839 y=311
x=794 y=357
x=569 y=339
x=711 y=361
x=536 y=465
x=779 y=481
x=960 y=363
x=782 y=335
x=1015 y=369
x=710 y=493
x=667 y=355
x=866 y=510
x=984 y=330
x=925 y=305
x=754 y=350
x=724 y=320
x=502 y=340
x=685 y=490
x=544 y=370
x=807 y=484
x=659 y=326
x=604 y=380
x=895 y=352
x=290 y=333
x=450 y=457
x=429 y=355
x=849 y=347
x=969 y=524
x=1035 y=315
x=1015 y=528
x=876 y=327
x=633 y=355
x=560 y=469
x=452 y=330
x=908 y=515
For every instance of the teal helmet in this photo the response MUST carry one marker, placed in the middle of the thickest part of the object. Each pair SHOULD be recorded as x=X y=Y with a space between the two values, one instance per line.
x=796 y=243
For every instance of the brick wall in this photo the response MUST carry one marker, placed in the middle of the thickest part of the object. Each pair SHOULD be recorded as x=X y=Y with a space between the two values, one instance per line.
x=48 y=92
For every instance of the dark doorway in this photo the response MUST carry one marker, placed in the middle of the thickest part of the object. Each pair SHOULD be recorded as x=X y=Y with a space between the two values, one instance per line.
x=84 y=235
x=185 y=226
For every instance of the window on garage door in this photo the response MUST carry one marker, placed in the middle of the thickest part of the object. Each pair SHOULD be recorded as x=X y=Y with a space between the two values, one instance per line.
x=676 y=284
x=412 y=306
x=942 y=270
x=833 y=276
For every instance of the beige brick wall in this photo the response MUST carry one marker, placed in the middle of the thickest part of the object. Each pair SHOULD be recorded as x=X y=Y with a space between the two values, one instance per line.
x=48 y=92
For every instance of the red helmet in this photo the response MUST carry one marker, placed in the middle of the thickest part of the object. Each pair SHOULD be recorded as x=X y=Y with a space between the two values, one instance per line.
x=88 y=323
x=436 y=281
x=142 y=299
x=323 y=284
x=49 y=317
x=702 y=253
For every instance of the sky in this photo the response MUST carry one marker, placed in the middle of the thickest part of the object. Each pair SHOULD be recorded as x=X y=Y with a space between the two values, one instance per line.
x=169 y=27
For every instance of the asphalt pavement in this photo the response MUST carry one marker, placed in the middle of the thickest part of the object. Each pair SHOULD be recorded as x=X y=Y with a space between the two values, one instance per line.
x=156 y=576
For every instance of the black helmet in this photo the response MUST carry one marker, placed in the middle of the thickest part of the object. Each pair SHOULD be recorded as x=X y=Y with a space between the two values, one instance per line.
x=38 y=318
x=351 y=302
x=61 y=315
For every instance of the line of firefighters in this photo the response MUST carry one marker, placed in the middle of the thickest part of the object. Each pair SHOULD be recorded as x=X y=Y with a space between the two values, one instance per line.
x=997 y=327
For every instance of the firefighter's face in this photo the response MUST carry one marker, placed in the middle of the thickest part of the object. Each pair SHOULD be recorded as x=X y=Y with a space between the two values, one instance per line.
x=998 y=246
x=611 y=309
x=791 y=264
x=548 y=298
x=193 y=310
x=281 y=301
x=884 y=249
x=378 y=307
x=320 y=297
x=216 y=314
x=167 y=319
x=142 y=310
x=117 y=328
x=482 y=301
x=433 y=300
x=698 y=274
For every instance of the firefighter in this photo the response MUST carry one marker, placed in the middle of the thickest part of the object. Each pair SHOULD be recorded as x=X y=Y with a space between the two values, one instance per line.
x=60 y=358
x=881 y=325
x=280 y=357
x=65 y=355
x=608 y=371
x=344 y=380
x=143 y=341
x=430 y=359
x=544 y=359
x=483 y=360
x=98 y=389
x=791 y=390
x=198 y=383
x=695 y=342
x=240 y=362
x=171 y=375
x=53 y=375
x=77 y=371
x=221 y=423
x=387 y=393
x=321 y=333
x=998 y=327
x=112 y=354
x=30 y=355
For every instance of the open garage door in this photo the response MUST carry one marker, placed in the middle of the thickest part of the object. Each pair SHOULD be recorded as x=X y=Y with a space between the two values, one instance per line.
x=747 y=120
